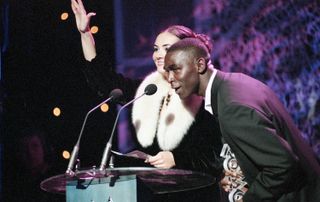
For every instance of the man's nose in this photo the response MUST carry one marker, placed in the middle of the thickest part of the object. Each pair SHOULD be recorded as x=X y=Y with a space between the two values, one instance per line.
x=170 y=77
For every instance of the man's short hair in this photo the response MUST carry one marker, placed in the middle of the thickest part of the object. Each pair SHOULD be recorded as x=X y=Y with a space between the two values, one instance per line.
x=193 y=46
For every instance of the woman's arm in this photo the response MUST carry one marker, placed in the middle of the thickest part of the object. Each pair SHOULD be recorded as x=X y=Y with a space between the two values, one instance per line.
x=98 y=71
x=83 y=25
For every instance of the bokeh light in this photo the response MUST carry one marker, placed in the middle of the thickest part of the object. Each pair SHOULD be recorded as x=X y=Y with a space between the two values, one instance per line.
x=56 y=111
x=94 y=29
x=104 y=107
x=66 y=154
x=64 y=16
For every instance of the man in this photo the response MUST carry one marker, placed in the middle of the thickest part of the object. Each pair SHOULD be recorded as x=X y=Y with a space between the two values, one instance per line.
x=276 y=162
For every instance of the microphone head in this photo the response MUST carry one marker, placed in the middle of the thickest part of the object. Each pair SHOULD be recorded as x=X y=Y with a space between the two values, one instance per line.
x=116 y=94
x=150 y=89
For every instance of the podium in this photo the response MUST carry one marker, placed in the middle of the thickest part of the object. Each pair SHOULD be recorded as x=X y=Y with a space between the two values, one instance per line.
x=127 y=184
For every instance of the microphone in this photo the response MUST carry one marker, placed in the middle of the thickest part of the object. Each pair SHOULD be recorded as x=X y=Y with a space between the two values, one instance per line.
x=149 y=90
x=115 y=95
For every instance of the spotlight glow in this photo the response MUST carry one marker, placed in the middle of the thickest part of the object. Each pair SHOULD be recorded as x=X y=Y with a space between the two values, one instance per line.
x=104 y=107
x=56 y=111
x=66 y=154
x=64 y=16
x=94 y=29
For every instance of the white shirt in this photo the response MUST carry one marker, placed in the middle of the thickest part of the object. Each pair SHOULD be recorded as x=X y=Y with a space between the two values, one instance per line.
x=207 y=97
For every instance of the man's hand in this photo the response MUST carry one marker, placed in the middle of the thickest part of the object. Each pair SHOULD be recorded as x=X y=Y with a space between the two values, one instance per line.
x=231 y=180
x=226 y=182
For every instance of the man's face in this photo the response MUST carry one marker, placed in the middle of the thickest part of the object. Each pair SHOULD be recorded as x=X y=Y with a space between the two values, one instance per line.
x=182 y=72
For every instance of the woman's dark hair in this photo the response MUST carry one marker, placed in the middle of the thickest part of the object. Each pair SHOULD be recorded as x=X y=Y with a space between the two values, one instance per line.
x=183 y=32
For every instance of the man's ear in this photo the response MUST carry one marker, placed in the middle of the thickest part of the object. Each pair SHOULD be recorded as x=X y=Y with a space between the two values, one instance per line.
x=201 y=65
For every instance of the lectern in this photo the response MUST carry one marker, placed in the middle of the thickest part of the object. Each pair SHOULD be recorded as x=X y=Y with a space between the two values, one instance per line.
x=128 y=184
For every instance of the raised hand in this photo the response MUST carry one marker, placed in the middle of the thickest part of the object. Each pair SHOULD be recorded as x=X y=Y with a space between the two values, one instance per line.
x=82 y=18
x=163 y=159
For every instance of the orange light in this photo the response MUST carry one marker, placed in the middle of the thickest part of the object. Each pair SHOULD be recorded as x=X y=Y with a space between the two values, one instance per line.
x=64 y=16
x=56 y=111
x=66 y=154
x=94 y=29
x=104 y=107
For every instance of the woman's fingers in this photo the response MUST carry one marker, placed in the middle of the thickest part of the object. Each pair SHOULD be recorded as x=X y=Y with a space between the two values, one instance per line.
x=163 y=159
x=91 y=14
x=80 y=4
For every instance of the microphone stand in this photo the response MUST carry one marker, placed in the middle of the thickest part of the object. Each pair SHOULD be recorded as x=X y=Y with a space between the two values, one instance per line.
x=107 y=150
x=149 y=90
x=75 y=150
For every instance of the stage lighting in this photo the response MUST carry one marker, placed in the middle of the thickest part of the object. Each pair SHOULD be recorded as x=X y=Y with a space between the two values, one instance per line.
x=56 y=111
x=104 y=107
x=66 y=154
x=64 y=16
x=94 y=29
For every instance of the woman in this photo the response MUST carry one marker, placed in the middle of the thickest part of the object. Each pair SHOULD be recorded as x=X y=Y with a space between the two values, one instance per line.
x=32 y=163
x=174 y=132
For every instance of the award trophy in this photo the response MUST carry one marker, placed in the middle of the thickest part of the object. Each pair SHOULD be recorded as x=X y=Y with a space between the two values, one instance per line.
x=230 y=164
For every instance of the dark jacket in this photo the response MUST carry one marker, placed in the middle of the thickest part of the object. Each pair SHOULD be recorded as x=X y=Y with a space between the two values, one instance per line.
x=277 y=163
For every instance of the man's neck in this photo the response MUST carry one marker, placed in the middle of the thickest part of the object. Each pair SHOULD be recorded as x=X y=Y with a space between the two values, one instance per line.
x=204 y=79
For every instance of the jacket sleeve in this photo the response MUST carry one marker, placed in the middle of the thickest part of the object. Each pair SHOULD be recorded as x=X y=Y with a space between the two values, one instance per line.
x=273 y=166
x=102 y=78
x=201 y=146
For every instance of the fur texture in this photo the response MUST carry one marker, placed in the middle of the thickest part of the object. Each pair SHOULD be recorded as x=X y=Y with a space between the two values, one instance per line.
x=174 y=121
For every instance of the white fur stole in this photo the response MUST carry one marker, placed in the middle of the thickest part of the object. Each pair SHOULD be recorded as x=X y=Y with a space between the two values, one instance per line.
x=174 y=121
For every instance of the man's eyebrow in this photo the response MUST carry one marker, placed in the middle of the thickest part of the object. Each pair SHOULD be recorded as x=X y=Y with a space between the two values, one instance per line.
x=172 y=66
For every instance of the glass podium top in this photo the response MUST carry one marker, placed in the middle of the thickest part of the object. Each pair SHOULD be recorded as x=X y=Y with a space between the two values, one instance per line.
x=158 y=180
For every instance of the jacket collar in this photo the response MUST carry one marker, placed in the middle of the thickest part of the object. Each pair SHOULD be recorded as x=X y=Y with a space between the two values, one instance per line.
x=214 y=91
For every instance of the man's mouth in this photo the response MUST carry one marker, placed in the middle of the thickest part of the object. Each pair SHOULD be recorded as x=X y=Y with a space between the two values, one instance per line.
x=177 y=89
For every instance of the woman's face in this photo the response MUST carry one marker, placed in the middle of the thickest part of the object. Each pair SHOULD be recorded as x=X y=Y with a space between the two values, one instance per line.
x=32 y=153
x=163 y=42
